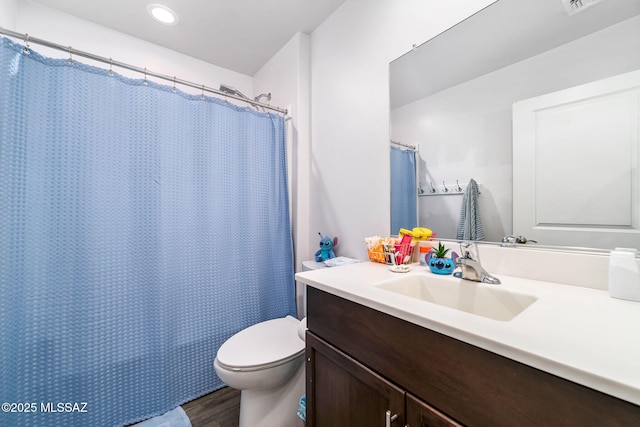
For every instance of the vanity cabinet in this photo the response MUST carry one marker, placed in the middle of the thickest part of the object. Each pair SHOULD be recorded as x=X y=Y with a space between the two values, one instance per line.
x=347 y=393
x=362 y=363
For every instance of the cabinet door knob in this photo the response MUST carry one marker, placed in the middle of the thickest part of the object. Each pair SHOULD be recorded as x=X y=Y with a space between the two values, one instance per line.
x=388 y=418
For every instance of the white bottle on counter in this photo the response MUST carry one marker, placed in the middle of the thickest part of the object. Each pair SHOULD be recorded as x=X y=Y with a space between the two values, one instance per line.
x=624 y=277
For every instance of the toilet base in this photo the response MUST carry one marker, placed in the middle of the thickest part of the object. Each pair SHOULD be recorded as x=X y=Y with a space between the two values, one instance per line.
x=275 y=406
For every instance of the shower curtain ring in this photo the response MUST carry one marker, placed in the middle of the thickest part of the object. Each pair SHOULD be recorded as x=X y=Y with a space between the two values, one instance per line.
x=70 y=61
x=202 y=96
x=111 y=66
x=26 y=49
x=145 y=77
x=174 y=85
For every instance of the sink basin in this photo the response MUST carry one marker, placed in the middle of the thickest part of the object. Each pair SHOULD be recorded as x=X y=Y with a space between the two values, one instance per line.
x=491 y=301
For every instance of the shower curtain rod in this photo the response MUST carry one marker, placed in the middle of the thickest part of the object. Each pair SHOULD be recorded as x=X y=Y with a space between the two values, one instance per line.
x=411 y=147
x=28 y=39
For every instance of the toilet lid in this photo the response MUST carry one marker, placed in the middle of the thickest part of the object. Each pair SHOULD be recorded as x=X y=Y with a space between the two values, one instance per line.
x=265 y=343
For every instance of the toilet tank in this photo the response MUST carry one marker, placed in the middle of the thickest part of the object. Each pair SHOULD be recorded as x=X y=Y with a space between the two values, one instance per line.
x=312 y=265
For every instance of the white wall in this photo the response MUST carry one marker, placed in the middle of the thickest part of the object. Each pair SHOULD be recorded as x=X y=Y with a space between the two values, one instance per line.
x=350 y=56
x=469 y=125
x=49 y=24
x=8 y=10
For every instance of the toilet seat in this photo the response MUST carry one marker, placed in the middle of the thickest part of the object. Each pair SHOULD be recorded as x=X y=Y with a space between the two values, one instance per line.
x=261 y=346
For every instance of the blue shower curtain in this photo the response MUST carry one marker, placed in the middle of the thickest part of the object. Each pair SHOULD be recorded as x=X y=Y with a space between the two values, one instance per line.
x=139 y=229
x=403 y=189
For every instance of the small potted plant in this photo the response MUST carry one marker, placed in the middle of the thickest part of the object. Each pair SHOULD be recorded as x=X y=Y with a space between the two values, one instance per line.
x=439 y=263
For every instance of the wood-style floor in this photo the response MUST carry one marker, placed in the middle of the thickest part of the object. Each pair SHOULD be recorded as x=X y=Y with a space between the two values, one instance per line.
x=218 y=409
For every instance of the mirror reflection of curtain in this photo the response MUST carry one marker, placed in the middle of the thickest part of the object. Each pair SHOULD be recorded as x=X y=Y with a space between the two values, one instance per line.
x=403 y=189
x=139 y=229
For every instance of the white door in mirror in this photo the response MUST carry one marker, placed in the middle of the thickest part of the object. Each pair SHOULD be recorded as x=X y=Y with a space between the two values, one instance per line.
x=576 y=156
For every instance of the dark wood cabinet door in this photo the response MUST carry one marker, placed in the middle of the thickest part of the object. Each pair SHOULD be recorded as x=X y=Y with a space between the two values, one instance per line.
x=419 y=414
x=342 y=392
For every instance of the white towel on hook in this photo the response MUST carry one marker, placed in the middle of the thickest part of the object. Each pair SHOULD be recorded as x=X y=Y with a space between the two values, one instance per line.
x=470 y=224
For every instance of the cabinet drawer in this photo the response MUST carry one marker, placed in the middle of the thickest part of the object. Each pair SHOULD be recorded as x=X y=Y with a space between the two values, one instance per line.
x=474 y=386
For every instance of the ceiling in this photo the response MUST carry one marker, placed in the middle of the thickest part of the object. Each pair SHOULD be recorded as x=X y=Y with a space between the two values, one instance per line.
x=239 y=35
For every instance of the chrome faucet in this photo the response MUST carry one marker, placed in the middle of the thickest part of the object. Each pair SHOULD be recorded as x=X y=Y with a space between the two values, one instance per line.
x=469 y=263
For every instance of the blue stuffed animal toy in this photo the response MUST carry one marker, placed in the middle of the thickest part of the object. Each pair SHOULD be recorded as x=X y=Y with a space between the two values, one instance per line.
x=326 y=248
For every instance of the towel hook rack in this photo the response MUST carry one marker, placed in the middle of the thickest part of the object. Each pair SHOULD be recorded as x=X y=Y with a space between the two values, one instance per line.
x=446 y=189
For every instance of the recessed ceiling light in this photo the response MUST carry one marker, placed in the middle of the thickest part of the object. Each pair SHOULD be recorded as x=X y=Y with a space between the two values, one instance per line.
x=162 y=14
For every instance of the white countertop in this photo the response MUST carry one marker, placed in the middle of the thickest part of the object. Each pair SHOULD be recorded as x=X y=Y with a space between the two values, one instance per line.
x=580 y=334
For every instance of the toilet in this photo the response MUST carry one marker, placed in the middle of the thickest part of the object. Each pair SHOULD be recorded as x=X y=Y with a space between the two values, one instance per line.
x=266 y=362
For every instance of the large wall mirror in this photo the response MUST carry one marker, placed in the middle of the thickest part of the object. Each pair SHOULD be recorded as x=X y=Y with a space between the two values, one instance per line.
x=538 y=102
